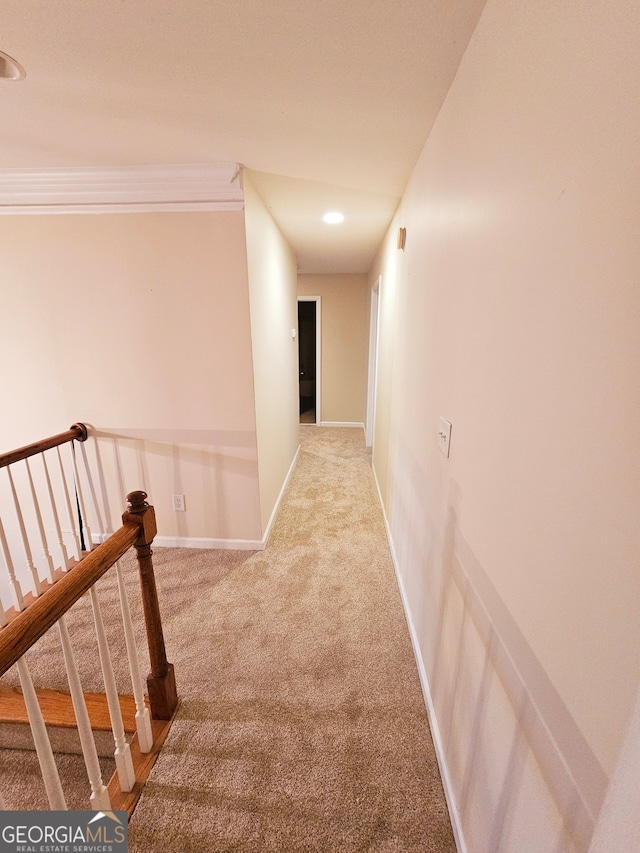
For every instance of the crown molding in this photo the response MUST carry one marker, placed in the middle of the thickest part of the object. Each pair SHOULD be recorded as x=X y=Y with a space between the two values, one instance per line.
x=128 y=189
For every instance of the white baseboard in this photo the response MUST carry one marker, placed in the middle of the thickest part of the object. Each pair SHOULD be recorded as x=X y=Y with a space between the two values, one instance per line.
x=219 y=544
x=208 y=543
x=274 y=512
x=196 y=542
x=454 y=814
x=342 y=424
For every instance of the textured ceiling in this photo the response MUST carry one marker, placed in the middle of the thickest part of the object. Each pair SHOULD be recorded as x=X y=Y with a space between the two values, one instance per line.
x=330 y=101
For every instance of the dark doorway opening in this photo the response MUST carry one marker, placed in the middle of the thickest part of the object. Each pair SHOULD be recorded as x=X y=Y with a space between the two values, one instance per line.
x=307 y=361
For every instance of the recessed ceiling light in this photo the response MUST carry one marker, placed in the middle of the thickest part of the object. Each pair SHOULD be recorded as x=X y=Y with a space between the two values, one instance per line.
x=9 y=68
x=333 y=218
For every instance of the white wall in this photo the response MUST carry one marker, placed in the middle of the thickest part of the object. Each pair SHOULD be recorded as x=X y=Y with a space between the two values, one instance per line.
x=618 y=826
x=138 y=324
x=514 y=312
x=272 y=288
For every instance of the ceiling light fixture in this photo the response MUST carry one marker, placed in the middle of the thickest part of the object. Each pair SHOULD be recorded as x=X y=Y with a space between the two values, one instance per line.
x=10 y=69
x=333 y=218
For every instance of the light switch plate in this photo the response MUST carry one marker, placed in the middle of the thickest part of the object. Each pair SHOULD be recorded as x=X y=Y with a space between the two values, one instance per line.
x=444 y=436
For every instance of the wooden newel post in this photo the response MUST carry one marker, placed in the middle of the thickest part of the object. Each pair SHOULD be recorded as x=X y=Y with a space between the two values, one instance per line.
x=161 y=681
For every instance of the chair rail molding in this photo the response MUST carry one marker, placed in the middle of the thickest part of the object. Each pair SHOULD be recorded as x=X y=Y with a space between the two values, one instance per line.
x=125 y=189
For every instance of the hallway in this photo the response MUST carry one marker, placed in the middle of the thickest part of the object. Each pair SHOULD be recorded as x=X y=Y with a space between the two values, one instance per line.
x=302 y=724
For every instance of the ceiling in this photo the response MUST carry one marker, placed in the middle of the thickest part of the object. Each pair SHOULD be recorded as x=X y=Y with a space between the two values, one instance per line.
x=328 y=102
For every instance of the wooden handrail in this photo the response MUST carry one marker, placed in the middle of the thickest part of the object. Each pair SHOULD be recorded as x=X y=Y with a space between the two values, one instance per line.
x=31 y=624
x=138 y=530
x=77 y=432
x=66 y=586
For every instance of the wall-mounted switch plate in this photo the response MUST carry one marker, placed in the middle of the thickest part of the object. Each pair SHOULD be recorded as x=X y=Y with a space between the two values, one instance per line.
x=444 y=436
x=178 y=503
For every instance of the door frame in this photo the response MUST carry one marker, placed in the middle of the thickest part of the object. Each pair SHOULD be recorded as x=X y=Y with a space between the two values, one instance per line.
x=317 y=300
x=374 y=324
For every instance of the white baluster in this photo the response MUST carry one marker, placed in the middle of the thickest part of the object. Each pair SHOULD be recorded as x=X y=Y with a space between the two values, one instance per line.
x=54 y=513
x=143 y=718
x=41 y=740
x=92 y=490
x=122 y=754
x=16 y=590
x=83 y=512
x=43 y=536
x=70 y=513
x=99 y=798
x=3 y=616
x=23 y=534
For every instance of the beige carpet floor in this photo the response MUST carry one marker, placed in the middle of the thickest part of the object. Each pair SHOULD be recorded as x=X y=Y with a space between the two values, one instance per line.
x=302 y=724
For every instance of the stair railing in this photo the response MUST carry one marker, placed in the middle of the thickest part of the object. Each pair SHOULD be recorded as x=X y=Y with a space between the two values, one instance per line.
x=55 y=587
